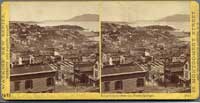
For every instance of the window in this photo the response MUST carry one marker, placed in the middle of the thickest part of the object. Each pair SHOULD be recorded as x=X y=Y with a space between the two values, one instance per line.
x=186 y=75
x=96 y=66
x=186 y=66
x=16 y=86
x=28 y=84
x=140 y=82
x=107 y=86
x=50 y=82
x=118 y=85
x=96 y=74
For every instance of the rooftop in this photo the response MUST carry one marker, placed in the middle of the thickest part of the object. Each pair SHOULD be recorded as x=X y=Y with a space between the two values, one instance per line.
x=121 y=69
x=31 y=69
x=175 y=67
x=85 y=66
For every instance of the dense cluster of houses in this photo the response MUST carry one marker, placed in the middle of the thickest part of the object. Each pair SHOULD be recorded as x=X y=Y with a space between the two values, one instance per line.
x=135 y=71
x=44 y=70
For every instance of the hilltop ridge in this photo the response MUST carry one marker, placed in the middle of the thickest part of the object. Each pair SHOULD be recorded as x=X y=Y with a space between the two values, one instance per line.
x=85 y=17
x=176 y=17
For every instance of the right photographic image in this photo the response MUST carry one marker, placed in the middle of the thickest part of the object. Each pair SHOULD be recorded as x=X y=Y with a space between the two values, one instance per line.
x=145 y=47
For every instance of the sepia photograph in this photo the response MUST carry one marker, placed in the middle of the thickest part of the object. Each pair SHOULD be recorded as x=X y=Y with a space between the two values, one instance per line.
x=54 y=47
x=99 y=50
x=145 y=47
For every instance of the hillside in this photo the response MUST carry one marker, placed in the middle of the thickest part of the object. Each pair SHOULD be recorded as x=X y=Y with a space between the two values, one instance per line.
x=85 y=17
x=33 y=37
x=177 y=18
x=116 y=36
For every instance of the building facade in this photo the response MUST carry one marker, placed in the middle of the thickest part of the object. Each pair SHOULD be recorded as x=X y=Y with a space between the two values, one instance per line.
x=178 y=73
x=37 y=78
x=123 y=78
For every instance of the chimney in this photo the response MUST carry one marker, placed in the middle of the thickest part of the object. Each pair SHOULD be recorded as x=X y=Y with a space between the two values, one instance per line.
x=56 y=53
x=95 y=70
x=122 y=59
x=149 y=67
x=31 y=59
x=11 y=65
x=20 y=61
x=62 y=58
x=105 y=57
x=166 y=62
x=174 y=59
x=110 y=61
x=146 y=53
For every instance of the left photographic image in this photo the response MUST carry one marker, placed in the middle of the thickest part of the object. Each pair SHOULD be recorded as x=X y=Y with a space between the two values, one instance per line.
x=54 y=47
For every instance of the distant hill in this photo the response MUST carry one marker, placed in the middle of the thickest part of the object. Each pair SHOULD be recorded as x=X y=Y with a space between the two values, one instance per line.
x=177 y=17
x=85 y=17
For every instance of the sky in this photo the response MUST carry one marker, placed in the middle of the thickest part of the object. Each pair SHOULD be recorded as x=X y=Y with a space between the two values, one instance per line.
x=110 y=10
x=50 y=10
x=142 y=10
